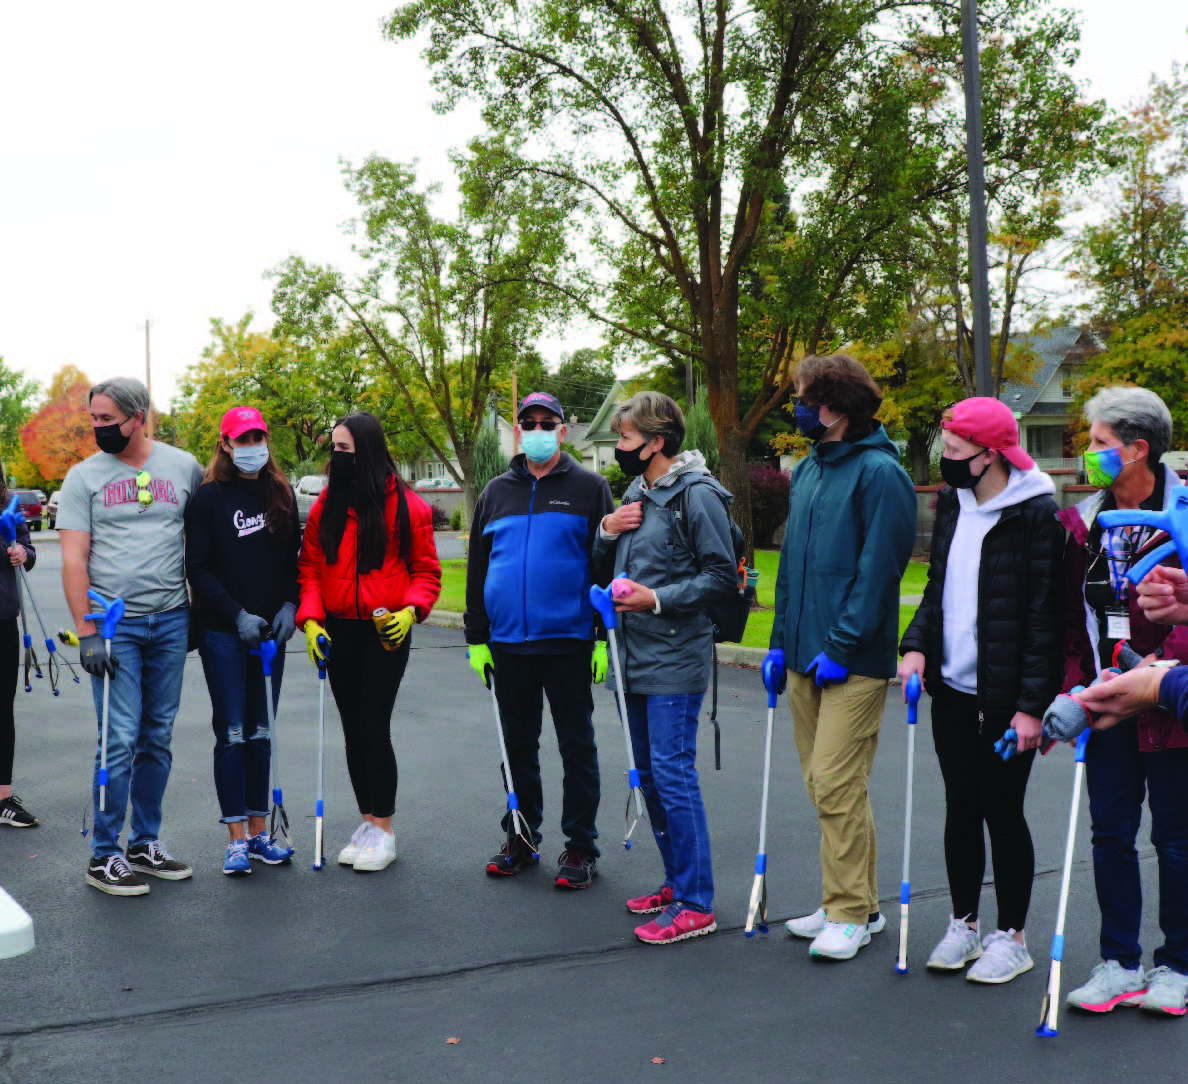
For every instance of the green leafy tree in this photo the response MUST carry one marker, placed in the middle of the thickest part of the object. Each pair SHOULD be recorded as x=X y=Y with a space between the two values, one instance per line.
x=19 y=396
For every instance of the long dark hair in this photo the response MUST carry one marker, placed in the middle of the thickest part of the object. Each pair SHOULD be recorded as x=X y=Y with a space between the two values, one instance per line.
x=275 y=491
x=366 y=494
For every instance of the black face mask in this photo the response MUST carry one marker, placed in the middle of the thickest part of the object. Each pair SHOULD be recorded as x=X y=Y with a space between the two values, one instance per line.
x=958 y=474
x=342 y=468
x=630 y=462
x=110 y=438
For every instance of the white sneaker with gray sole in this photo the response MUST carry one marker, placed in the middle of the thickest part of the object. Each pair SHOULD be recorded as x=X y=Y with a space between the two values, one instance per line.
x=809 y=926
x=961 y=943
x=1003 y=958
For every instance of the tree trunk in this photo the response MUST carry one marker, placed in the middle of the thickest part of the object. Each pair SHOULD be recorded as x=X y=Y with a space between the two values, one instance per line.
x=470 y=494
x=919 y=448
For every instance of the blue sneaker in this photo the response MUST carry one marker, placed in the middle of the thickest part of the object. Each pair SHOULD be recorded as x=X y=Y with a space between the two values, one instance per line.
x=263 y=848
x=236 y=863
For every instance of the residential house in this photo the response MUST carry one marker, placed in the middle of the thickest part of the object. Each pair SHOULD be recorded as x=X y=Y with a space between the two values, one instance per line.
x=598 y=436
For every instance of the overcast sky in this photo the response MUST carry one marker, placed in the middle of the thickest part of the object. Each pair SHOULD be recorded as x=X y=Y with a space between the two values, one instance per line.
x=157 y=158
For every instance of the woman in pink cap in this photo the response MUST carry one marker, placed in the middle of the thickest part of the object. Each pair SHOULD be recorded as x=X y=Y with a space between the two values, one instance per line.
x=986 y=641
x=242 y=538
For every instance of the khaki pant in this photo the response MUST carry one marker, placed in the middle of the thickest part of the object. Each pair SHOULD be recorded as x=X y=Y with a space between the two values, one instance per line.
x=837 y=734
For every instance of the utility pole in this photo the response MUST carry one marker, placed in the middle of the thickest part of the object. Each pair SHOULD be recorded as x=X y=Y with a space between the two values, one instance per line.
x=515 y=406
x=148 y=381
x=979 y=279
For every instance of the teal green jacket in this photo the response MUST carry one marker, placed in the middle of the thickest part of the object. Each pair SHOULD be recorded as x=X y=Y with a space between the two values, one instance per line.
x=851 y=528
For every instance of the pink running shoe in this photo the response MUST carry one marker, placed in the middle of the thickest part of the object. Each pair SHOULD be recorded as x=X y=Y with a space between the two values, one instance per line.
x=651 y=904
x=677 y=923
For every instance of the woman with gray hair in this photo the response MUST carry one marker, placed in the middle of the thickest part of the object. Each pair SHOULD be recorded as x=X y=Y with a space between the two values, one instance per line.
x=1129 y=430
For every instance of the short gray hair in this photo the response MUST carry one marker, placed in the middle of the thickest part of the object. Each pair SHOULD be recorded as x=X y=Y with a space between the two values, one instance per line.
x=654 y=415
x=128 y=393
x=1133 y=414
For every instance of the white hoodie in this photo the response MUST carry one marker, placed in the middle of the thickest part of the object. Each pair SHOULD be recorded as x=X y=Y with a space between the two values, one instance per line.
x=959 y=605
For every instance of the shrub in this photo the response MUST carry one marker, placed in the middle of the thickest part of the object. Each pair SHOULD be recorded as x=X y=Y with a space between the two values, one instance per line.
x=700 y=432
x=769 y=501
x=617 y=479
x=456 y=519
x=441 y=518
x=489 y=460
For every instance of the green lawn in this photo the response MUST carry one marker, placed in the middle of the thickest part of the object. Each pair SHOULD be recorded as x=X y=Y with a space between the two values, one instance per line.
x=453 y=593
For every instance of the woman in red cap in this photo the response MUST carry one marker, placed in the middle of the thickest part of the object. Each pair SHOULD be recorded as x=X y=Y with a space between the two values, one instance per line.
x=242 y=537
x=986 y=640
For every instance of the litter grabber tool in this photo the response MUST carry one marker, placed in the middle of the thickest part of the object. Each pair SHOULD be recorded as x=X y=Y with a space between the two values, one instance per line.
x=774 y=680
x=1173 y=521
x=911 y=693
x=518 y=831
x=52 y=664
x=603 y=601
x=278 y=824
x=10 y=518
x=1051 y=1007
x=319 y=861
x=110 y=618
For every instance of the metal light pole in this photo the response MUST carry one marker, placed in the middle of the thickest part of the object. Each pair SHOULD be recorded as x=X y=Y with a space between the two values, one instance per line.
x=979 y=286
x=148 y=381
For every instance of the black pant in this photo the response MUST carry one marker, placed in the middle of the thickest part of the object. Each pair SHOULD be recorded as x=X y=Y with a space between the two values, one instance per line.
x=10 y=649
x=521 y=683
x=365 y=679
x=982 y=788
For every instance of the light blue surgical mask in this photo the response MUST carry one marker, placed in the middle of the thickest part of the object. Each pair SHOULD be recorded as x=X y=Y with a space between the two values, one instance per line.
x=251 y=459
x=538 y=445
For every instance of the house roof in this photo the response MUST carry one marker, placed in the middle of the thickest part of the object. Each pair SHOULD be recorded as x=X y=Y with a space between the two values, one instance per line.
x=597 y=428
x=1053 y=348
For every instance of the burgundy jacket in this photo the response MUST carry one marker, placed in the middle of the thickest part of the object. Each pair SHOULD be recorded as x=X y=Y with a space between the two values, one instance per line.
x=1157 y=730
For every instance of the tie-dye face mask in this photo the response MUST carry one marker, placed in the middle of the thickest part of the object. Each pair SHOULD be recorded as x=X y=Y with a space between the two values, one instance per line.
x=1103 y=467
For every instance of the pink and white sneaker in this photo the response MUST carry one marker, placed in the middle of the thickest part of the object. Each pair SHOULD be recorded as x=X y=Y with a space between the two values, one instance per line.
x=677 y=923
x=651 y=904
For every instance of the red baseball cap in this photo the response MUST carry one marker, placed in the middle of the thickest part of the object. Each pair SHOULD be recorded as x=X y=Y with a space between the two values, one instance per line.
x=985 y=421
x=241 y=419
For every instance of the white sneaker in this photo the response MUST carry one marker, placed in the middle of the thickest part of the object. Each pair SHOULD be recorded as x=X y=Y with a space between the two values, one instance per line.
x=347 y=856
x=811 y=925
x=840 y=940
x=379 y=851
x=1002 y=960
x=960 y=944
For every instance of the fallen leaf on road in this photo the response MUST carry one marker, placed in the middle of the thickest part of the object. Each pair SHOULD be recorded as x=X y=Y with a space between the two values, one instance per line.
x=657 y=1061
x=126 y=989
x=453 y=1042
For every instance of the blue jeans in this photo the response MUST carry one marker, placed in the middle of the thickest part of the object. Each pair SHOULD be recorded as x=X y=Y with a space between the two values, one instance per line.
x=1119 y=775
x=142 y=702
x=239 y=716
x=664 y=739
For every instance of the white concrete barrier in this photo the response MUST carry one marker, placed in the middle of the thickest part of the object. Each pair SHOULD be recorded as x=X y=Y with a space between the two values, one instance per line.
x=16 y=927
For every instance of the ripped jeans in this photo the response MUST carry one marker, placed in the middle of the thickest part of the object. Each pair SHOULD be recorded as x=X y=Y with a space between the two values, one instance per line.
x=239 y=717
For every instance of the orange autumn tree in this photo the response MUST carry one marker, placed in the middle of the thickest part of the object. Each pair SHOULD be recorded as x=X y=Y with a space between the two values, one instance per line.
x=60 y=433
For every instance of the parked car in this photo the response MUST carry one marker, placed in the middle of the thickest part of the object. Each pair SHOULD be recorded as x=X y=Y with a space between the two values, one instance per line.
x=435 y=483
x=31 y=506
x=307 y=490
x=51 y=511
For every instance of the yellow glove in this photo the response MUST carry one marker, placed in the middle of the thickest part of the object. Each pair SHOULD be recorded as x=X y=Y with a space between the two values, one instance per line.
x=317 y=651
x=479 y=656
x=395 y=627
x=598 y=662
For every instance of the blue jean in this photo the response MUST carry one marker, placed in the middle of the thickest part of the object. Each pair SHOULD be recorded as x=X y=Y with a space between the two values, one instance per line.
x=664 y=739
x=142 y=702
x=239 y=716
x=1119 y=775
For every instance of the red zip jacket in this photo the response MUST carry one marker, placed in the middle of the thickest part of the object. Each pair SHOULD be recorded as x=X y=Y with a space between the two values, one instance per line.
x=338 y=590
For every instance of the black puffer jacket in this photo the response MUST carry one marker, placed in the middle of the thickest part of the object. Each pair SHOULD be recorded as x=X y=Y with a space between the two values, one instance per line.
x=1020 y=607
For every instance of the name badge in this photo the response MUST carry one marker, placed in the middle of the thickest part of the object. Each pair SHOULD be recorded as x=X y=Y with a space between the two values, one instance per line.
x=1118 y=626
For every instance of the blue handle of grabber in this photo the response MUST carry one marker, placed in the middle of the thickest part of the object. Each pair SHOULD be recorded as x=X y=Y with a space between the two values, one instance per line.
x=267 y=652
x=1174 y=520
x=1081 y=742
x=912 y=692
x=771 y=682
x=113 y=611
x=324 y=644
x=602 y=600
x=10 y=518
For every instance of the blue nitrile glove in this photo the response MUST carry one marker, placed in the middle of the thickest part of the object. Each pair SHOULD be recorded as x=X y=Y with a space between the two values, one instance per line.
x=828 y=672
x=775 y=658
x=250 y=627
x=284 y=624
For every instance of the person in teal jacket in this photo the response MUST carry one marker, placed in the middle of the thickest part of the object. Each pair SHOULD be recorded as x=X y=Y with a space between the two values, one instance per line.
x=851 y=526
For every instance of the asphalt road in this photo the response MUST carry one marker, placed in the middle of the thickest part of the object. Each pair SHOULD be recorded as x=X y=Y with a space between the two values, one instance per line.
x=292 y=975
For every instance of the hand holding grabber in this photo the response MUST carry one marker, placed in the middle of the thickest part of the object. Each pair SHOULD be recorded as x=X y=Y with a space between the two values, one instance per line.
x=113 y=611
x=775 y=679
x=319 y=651
x=911 y=693
x=279 y=818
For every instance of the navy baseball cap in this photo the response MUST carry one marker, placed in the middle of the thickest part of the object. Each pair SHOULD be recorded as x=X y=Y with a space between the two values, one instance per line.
x=541 y=399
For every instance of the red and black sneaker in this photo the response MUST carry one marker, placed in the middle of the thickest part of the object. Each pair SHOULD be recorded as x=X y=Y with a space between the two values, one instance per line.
x=576 y=869
x=651 y=904
x=511 y=859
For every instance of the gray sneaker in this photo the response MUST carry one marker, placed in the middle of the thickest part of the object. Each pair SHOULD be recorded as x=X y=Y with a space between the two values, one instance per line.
x=1002 y=959
x=810 y=925
x=1167 y=991
x=960 y=944
x=1109 y=986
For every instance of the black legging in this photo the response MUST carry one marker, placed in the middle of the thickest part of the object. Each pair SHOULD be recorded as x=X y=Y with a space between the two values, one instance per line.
x=365 y=679
x=10 y=649
x=981 y=788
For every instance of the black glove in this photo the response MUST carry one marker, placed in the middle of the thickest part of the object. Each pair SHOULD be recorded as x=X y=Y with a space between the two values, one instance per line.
x=284 y=624
x=93 y=656
x=251 y=628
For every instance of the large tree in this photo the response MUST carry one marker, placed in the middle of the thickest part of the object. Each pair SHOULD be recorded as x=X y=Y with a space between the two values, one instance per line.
x=685 y=125
x=18 y=394
x=60 y=434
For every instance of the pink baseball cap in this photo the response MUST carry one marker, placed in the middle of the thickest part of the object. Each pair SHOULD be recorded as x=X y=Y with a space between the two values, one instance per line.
x=241 y=419
x=991 y=424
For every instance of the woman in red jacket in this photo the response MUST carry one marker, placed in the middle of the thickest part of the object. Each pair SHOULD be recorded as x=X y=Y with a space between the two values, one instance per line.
x=368 y=545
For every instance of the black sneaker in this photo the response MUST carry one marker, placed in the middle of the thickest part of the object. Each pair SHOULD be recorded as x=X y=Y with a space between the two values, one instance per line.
x=15 y=815
x=576 y=869
x=153 y=859
x=113 y=875
x=511 y=859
